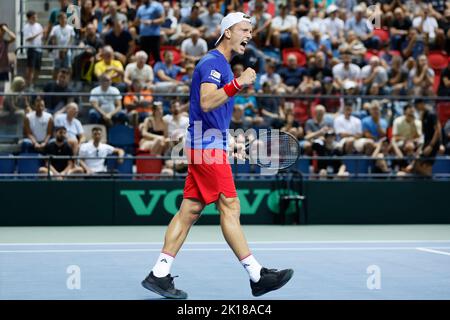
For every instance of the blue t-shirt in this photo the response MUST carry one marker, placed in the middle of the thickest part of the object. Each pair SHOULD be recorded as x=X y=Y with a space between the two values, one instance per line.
x=209 y=130
x=171 y=72
x=153 y=11
x=369 y=125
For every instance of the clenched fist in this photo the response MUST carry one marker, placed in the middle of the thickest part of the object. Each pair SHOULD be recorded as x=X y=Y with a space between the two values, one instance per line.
x=247 y=77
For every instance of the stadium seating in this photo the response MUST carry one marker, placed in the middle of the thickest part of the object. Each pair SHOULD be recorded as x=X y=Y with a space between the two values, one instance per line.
x=443 y=111
x=28 y=165
x=124 y=169
x=7 y=165
x=149 y=167
x=122 y=136
x=300 y=54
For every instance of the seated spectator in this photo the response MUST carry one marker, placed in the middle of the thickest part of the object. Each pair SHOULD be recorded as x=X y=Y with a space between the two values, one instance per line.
x=319 y=70
x=62 y=34
x=139 y=70
x=398 y=77
x=238 y=120
x=19 y=103
x=154 y=132
x=112 y=14
x=89 y=15
x=250 y=106
x=4 y=59
x=38 y=128
x=316 y=127
x=399 y=29
x=211 y=21
x=107 y=108
x=407 y=127
x=110 y=67
x=193 y=21
x=414 y=45
x=194 y=47
x=170 y=28
x=427 y=24
x=138 y=102
x=447 y=137
x=283 y=31
x=307 y=23
x=292 y=126
x=32 y=34
x=345 y=71
x=93 y=153
x=383 y=149
x=374 y=77
x=269 y=107
x=177 y=123
x=317 y=42
x=444 y=85
x=186 y=79
x=166 y=75
x=74 y=129
x=328 y=147
x=333 y=25
x=363 y=29
x=120 y=41
x=374 y=126
x=61 y=85
x=84 y=62
x=355 y=47
x=421 y=78
x=292 y=74
x=348 y=128
x=60 y=168
x=261 y=21
x=271 y=77
x=92 y=38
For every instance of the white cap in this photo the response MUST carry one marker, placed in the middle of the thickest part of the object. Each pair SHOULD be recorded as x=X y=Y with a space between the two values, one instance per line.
x=230 y=20
x=332 y=8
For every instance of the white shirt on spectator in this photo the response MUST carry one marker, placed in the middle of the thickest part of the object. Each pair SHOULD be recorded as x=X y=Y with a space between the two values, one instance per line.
x=30 y=30
x=274 y=79
x=289 y=21
x=306 y=25
x=144 y=75
x=381 y=76
x=429 y=25
x=74 y=127
x=176 y=128
x=39 y=125
x=406 y=129
x=63 y=36
x=333 y=27
x=196 y=50
x=351 y=126
x=352 y=73
x=88 y=150
x=106 y=102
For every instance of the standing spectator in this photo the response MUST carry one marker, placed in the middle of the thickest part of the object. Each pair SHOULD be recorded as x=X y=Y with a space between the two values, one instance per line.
x=150 y=16
x=166 y=74
x=194 y=47
x=110 y=67
x=120 y=41
x=283 y=32
x=292 y=74
x=137 y=102
x=154 y=133
x=211 y=21
x=374 y=77
x=362 y=28
x=62 y=35
x=170 y=27
x=4 y=59
x=60 y=85
x=140 y=71
x=107 y=103
x=407 y=127
x=38 y=128
x=374 y=126
x=74 y=129
x=421 y=78
x=60 y=168
x=345 y=71
x=93 y=153
x=32 y=33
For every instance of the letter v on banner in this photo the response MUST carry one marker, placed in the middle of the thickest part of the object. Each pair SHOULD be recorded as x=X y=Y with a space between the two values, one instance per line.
x=134 y=197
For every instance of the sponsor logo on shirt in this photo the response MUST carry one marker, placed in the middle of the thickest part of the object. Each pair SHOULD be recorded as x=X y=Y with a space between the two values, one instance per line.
x=215 y=75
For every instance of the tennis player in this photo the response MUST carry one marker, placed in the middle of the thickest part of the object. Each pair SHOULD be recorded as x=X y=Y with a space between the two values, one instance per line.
x=211 y=181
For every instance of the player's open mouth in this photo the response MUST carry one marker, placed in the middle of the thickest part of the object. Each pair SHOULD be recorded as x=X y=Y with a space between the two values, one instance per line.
x=244 y=43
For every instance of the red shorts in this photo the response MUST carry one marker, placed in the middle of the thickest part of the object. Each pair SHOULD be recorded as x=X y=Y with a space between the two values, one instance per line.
x=209 y=175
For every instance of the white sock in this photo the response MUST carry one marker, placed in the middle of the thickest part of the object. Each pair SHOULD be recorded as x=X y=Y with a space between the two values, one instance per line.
x=253 y=267
x=163 y=265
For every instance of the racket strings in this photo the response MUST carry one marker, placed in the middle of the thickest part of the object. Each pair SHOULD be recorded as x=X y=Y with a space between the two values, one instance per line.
x=282 y=151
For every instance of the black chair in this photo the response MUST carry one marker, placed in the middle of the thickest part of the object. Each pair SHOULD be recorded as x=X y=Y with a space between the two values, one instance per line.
x=289 y=185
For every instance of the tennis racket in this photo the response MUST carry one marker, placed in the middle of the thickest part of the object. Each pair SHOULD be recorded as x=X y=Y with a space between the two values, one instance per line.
x=273 y=149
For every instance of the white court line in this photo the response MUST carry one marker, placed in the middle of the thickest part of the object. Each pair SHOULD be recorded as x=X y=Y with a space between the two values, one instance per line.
x=216 y=249
x=216 y=242
x=434 y=251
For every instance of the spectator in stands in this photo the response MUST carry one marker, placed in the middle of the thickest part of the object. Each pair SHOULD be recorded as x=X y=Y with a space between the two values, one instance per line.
x=414 y=45
x=272 y=78
x=316 y=127
x=426 y=24
x=421 y=78
x=374 y=77
x=93 y=153
x=107 y=104
x=269 y=107
x=4 y=59
x=193 y=21
x=150 y=16
x=444 y=85
x=166 y=75
x=170 y=29
x=283 y=31
x=355 y=47
x=121 y=41
x=91 y=38
x=346 y=6
x=383 y=149
x=238 y=120
x=345 y=71
x=74 y=128
x=177 y=122
x=333 y=25
x=187 y=77
x=399 y=29
x=138 y=102
x=407 y=127
x=261 y=22
x=308 y=22
x=61 y=85
x=37 y=127
x=362 y=28
x=292 y=126
x=319 y=70
x=19 y=103
x=211 y=21
x=62 y=35
x=250 y=106
x=374 y=126
x=328 y=147
x=110 y=67
x=54 y=14
x=139 y=70
x=318 y=42
x=60 y=168
x=88 y=15
x=32 y=34
x=194 y=47
x=113 y=14
x=447 y=137
x=348 y=128
x=398 y=77
x=154 y=132
x=292 y=74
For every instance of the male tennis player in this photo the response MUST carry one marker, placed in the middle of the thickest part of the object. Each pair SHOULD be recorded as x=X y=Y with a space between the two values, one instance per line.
x=211 y=106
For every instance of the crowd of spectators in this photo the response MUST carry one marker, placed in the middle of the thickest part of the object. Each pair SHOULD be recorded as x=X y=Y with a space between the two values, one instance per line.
x=131 y=50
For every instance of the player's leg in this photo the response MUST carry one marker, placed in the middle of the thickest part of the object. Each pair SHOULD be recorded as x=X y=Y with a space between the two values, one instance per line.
x=262 y=280
x=159 y=280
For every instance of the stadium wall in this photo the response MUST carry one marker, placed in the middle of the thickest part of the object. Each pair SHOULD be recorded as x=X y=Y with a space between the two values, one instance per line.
x=69 y=203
